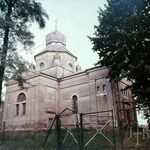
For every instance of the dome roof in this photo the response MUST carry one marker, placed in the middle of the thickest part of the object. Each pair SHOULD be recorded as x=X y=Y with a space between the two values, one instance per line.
x=56 y=47
x=55 y=42
x=55 y=37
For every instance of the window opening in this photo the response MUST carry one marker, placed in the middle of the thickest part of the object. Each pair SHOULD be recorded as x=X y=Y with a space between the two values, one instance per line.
x=98 y=88
x=23 y=108
x=71 y=66
x=104 y=88
x=17 y=109
x=21 y=104
x=75 y=104
x=41 y=66
x=21 y=97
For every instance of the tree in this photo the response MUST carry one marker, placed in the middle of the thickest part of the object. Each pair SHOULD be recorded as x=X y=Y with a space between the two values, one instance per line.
x=15 y=66
x=15 y=19
x=122 y=41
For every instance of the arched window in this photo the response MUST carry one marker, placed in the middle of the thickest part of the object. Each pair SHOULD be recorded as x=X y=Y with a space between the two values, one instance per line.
x=104 y=87
x=71 y=66
x=98 y=89
x=42 y=66
x=21 y=100
x=21 y=97
x=75 y=104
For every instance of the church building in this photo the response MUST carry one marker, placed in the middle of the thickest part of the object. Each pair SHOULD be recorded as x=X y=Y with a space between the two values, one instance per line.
x=57 y=82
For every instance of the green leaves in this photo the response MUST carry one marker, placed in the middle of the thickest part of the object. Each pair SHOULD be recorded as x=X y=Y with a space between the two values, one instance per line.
x=15 y=66
x=30 y=11
x=122 y=41
x=15 y=19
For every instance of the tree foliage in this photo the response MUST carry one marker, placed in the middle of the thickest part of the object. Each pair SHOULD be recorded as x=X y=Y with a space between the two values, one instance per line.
x=122 y=41
x=16 y=17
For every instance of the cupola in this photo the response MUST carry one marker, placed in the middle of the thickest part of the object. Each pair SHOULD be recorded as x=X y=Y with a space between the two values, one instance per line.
x=55 y=37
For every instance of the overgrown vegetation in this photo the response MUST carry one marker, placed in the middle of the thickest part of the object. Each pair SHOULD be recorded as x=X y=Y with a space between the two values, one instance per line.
x=16 y=17
x=33 y=140
x=27 y=140
x=122 y=42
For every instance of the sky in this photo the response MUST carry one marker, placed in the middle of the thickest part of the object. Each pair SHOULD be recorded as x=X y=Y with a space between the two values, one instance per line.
x=76 y=20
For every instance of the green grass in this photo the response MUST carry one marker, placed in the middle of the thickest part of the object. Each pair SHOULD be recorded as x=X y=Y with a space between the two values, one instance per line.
x=27 y=140
x=33 y=140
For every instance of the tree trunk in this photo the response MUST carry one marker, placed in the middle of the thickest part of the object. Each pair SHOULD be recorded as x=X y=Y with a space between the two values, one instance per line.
x=5 y=47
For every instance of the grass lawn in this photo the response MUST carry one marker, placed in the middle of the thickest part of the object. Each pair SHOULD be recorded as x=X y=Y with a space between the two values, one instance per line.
x=33 y=140
x=92 y=140
x=27 y=140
